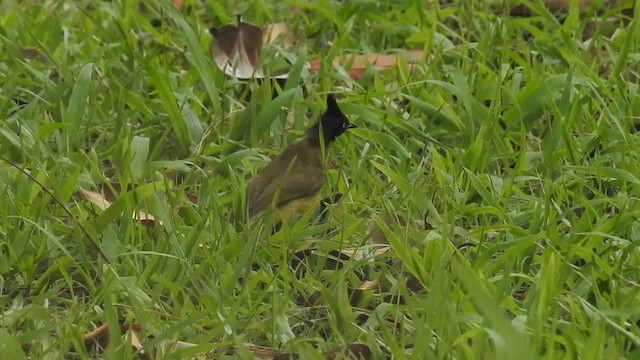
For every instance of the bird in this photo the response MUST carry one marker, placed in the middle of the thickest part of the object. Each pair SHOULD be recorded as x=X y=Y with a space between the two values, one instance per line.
x=292 y=181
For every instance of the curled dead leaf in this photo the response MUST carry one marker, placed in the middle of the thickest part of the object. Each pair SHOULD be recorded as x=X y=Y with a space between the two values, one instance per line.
x=100 y=334
x=103 y=204
x=179 y=345
x=359 y=254
x=356 y=295
x=414 y=284
x=96 y=199
x=273 y=32
x=134 y=341
x=145 y=219
x=179 y=4
x=368 y=285
x=31 y=53
x=236 y=49
x=237 y=46
x=491 y=235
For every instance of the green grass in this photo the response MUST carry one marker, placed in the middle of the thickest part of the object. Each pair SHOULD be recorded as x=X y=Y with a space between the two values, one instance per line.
x=503 y=174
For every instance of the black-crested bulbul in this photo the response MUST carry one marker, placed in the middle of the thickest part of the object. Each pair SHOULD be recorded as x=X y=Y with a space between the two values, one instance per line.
x=292 y=180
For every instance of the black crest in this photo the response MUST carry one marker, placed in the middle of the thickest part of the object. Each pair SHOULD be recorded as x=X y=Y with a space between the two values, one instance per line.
x=332 y=122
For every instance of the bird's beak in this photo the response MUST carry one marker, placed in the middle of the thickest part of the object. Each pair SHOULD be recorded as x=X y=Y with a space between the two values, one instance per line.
x=351 y=126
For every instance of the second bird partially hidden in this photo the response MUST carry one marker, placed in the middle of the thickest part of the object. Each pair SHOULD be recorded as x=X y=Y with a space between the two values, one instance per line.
x=292 y=180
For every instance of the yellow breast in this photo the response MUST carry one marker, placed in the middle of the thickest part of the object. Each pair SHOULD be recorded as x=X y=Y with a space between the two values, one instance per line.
x=294 y=209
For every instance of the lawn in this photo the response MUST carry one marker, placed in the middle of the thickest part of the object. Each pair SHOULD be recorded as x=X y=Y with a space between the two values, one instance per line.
x=490 y=196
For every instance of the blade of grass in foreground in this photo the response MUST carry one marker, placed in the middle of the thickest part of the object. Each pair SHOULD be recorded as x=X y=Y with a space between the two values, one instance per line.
x=197 y=58
x=516 y=344
x=10 y=346
x=78 y=103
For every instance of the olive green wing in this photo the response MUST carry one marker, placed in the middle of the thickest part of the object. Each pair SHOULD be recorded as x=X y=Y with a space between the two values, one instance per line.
x=298 y=182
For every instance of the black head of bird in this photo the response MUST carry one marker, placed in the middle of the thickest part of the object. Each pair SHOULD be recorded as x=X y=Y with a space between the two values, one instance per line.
x=332 y=123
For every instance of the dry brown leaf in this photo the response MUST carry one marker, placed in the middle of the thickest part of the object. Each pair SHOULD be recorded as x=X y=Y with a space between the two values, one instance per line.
x=96 y=199
x=97 y=334
x=359 y=254
x=179 y=345
x=179 y=4
x=289 y=120
x=111 y=191
x=356 y=294
x=377 y=235
x=414 y=284
x=276 y=30
x=360 y=63
x=235 y=49
x=146 y=219
x=102 y=203
x=31 y=53
x=101 y=333
x=133 y=340
x=193 y=198
x=368 y=285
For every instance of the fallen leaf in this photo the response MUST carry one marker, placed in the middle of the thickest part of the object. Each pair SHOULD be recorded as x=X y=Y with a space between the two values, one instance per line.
x=31 y=53
x=273 y=32
x=146 y=219
x=179 y=4
x=103 y=204
x=134 y=341
x=414 y=284
x=359 y=254
x=100 y=334
x=235 y=49
x=368 y=285
x=179 y=345
x=358 y=64
x=96 y=199
x=357 y=294
x=193 y=198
